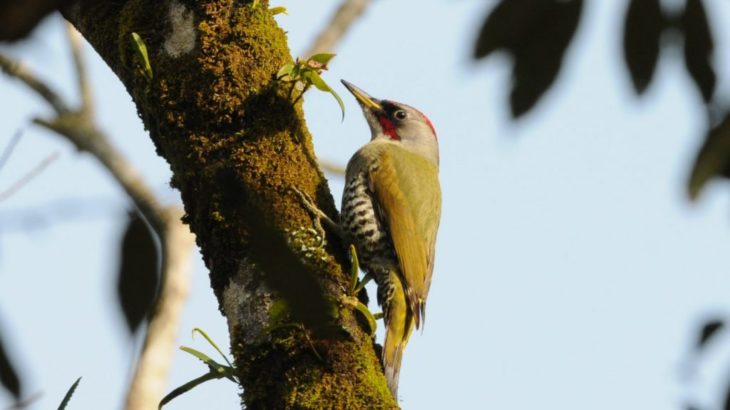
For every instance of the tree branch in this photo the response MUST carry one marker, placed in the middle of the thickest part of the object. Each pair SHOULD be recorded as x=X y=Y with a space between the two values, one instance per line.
x=27 y=177
x=338 y=25
x=15 y=69
x=237 y=144
x=79 y=127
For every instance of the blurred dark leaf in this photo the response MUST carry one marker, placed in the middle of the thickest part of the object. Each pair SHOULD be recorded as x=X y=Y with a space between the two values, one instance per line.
x=713 y=159
x=8 y=376
x=642 y=32
x=536 y=33
x=698 y=46
x=709 y=329
x=69 y=394
x=19 y=17
x=138 y=277
x=726 y=403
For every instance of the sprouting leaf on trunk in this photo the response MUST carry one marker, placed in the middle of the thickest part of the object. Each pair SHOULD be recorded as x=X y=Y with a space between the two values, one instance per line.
x=643 y=29
x=278 y=10
x=320 y=60
x=215 y=369
x=187 y=387
x=713 y=159
x=138 y=277
x=306 y=73
x=212 y=343
x=320 y=84
x=698 y=48
x=285 y=71
x=536 y=33
x=142 y=55
x=8 y=376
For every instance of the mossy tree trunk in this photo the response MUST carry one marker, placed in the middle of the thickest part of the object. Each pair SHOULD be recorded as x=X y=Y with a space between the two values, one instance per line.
x=237 y=143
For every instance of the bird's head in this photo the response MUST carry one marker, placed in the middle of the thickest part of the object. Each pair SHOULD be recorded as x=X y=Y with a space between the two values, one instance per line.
x=400 y=123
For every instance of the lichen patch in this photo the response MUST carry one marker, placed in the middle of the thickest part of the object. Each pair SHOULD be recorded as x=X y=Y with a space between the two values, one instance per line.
x=182 y=34
x=246 y=305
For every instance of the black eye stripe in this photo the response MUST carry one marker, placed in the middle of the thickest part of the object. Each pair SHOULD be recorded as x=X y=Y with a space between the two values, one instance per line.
x=393 y=110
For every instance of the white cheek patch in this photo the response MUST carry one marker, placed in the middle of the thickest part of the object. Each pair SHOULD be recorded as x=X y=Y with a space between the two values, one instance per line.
x=182 y=37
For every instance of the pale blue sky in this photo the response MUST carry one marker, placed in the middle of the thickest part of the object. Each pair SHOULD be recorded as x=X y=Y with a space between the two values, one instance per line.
x=571 y=269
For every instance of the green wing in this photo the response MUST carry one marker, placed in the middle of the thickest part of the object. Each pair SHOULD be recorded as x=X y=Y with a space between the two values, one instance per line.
x=409 y=198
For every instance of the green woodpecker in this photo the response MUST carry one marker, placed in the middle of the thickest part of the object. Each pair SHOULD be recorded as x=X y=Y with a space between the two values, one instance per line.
x=391 y=208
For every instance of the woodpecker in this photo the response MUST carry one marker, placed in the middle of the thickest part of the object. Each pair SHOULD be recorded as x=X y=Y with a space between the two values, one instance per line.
x=391 y=208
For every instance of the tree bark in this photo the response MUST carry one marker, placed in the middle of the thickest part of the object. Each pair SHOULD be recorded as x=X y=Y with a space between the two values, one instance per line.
x=237 y=144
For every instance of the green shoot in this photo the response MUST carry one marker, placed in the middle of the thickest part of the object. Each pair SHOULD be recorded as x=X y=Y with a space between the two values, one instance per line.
x=307 y=73
x=141 y=49
x=215 y=370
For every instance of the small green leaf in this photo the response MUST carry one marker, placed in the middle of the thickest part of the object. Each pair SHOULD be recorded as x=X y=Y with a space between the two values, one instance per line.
x=142 y=54
x=362 y=283
x=319 y=61
x=713 y=158
x=212 y=343
x=322 y=58
x=187 y=387
x=68 y=395
x=354 y=270
x=313 y=78
x=224 y=371
x=201 y=356
x=278 y=10
x=285 y=70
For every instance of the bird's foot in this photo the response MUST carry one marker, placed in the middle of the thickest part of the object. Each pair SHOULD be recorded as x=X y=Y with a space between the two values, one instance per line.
x=318 y=214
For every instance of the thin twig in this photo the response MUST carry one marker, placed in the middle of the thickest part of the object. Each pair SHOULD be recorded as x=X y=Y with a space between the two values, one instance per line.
x=338 y=25
x=37 y=170
x=87 y=137
x=24 y=219
x=9 y=148
x=77 y=54
x=18 y=71
x=331 y=167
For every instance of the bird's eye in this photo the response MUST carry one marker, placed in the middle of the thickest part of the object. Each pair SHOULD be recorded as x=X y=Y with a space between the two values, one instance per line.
x=400 y=114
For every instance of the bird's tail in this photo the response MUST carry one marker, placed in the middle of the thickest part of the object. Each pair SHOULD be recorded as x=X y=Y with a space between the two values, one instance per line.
x=399 y=322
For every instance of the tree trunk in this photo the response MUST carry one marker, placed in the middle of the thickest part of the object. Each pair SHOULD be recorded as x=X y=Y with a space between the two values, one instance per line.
x=237 y=144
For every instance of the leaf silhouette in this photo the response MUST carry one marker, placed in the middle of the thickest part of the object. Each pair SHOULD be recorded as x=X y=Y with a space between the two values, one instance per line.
x=8 y=376
x=709 y=329
x=698 y=46
x=642 y=32
x=18 y=18
x=536 y=33
x=713 y=159
x=138 y=276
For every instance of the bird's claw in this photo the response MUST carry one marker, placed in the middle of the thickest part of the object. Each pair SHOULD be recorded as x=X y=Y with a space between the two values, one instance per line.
x=317 y=213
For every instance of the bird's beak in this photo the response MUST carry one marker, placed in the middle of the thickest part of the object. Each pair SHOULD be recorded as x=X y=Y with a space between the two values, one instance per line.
x=363 y=98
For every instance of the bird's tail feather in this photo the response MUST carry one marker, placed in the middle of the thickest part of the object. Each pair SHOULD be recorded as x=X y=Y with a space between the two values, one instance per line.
x=399 y=325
